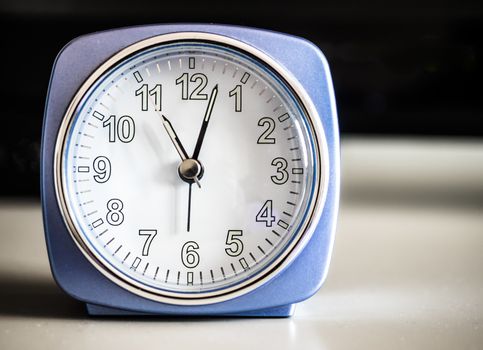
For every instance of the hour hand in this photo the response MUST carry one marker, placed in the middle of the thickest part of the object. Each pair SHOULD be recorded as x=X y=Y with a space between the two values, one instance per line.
x=174 y=138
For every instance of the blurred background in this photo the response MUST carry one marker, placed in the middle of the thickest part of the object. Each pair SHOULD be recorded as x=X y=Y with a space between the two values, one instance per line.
x=409 y=68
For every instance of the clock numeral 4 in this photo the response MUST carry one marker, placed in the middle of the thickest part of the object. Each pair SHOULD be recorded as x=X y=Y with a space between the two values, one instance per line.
x=145 y=94
x=196 y=94
x=266 y=214
x=122 y=129
x=189 y=255
x=282 y=174
x=234 y=244
x=115 y=216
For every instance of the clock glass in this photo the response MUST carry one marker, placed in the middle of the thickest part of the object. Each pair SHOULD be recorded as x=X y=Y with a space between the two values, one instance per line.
x=189 y=168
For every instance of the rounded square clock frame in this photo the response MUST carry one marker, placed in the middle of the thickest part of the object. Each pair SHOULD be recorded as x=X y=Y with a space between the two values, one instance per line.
x=297 y=281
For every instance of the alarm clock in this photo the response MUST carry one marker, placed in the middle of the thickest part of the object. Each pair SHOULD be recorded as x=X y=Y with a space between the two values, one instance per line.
x=190 y=170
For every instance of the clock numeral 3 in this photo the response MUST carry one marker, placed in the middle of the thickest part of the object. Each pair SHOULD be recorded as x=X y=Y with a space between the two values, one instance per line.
x=189 y=255
x=122 y=129
x=235 y=245
x=266 y=214
x=115 y=216
x=282 y=174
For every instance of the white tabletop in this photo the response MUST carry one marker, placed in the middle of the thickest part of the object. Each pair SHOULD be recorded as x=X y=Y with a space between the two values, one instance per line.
x=407 y=269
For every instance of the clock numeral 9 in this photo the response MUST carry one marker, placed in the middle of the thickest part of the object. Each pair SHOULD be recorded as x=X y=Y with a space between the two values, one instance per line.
x=189 y=255
x=196 y=94
x=102 y=167
x=144 y=92
x=115 y=216
x=269 y=124
x=266 y=214
x=282 y=174
x=235 y=245
x=122 y=129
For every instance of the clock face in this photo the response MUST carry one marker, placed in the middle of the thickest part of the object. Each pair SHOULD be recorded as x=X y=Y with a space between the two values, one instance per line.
x=189 y=169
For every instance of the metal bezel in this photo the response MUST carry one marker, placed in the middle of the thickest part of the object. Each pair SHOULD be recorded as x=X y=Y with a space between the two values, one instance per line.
x=307 y=227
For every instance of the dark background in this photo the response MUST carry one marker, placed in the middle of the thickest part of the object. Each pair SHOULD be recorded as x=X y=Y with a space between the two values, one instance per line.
x=400 y=68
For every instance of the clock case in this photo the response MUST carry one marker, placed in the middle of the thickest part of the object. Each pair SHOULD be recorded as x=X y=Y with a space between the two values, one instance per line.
x=80 y=279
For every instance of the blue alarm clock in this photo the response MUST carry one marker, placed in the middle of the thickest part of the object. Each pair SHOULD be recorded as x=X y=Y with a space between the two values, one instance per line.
x=190 y=170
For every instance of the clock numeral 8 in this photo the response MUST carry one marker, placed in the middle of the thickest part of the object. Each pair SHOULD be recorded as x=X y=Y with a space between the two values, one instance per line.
x=189 y=256
x=114 y=216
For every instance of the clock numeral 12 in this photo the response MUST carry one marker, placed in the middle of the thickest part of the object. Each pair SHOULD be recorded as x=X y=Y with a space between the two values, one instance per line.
x=196 y=94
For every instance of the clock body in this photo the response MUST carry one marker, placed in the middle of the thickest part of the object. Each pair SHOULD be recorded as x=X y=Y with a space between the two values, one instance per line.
x=131 y=113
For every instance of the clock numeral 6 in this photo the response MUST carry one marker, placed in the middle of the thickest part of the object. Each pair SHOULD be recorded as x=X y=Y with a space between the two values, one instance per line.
x=266 y=214
x=115 y=216
x=189 y=255
x=122 y=129
x=282 y=174
x=102 y=167
x=235 y=245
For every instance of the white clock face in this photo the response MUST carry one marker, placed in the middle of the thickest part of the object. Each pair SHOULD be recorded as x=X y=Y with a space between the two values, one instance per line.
x=188 y=169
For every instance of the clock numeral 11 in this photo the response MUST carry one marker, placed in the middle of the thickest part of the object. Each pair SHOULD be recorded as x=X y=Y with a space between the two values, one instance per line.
x=145 y=94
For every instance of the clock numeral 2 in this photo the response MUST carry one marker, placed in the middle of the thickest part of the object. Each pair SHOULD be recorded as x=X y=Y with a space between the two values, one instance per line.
x=269 y=125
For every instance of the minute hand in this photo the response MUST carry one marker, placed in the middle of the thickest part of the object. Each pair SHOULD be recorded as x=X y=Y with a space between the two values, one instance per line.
x=206 y=120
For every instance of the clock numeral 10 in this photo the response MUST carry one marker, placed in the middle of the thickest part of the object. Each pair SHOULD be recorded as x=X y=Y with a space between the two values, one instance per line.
x=189 y=255
x=145 y=94
x=122 y=129
x=234 y=244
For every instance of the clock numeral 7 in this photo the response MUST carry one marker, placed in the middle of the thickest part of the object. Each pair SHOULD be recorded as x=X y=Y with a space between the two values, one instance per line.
x=150 y=234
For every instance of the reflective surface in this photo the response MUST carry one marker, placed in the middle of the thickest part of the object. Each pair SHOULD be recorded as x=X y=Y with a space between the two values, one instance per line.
x=406 y=269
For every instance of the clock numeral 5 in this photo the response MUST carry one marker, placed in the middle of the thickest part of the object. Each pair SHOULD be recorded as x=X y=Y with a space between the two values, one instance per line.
x=234 y=244
x=189 y=255
x=196 y=94
x=122 y=129
x=266 y=214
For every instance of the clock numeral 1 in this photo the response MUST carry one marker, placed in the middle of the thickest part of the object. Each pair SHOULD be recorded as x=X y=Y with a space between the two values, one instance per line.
x=234 y=244
x=266 y=214
x=189 y=255
x=122 y=129
x=237 y=93
x=144 y=92
x=149 y=234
